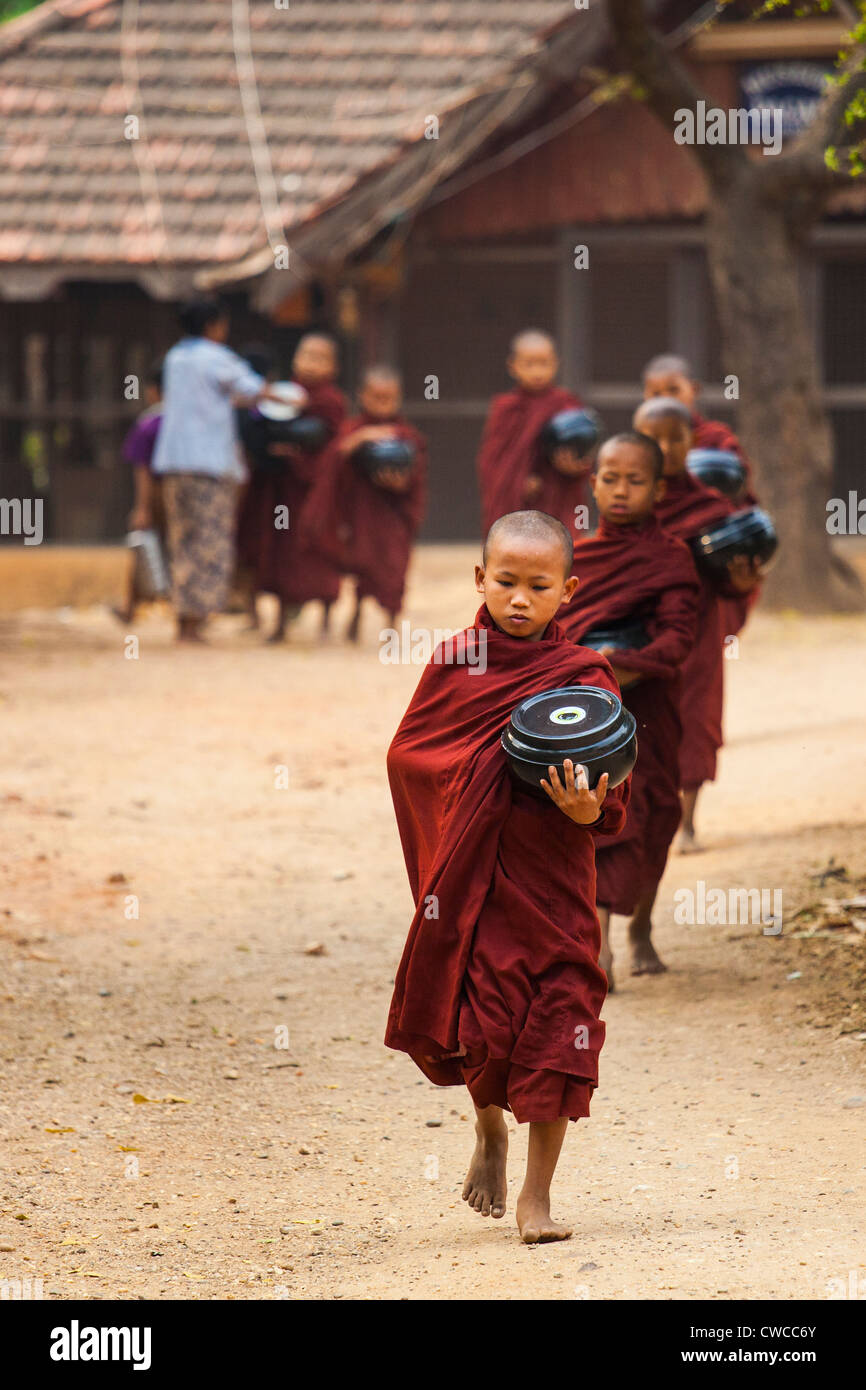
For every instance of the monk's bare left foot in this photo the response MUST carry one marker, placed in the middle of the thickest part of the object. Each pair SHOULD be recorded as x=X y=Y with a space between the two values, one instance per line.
x=486 y=1186
x=688 y=843
x=535 y=1223
x=645 y=960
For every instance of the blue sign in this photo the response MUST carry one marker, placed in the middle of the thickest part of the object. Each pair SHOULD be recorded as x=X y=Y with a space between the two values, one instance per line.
x=794 y=88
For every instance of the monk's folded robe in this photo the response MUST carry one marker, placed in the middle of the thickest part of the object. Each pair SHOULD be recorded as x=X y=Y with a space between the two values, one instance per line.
x=640 y=572
x=284 y=560
x=362 y=528
x=715 y=434
x=501 y=960
x=687 y=509
x=511 y=450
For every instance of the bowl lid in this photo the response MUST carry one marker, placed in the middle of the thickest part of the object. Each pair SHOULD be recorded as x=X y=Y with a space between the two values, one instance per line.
x=385 y=451
x=292 y=400
x=751 y=524
x=721 y=459
x=569 y=718
x=575 y=423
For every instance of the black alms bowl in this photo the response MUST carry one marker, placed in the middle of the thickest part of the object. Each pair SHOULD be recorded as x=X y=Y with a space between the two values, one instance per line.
x=581 y=722
x=625 y=635
x=750 y=532
x=306 y=432
x=717 y=468
x=384 y=453
x=577 y=430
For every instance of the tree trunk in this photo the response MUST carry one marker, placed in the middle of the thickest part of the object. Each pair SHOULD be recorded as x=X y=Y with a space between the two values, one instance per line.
x=755 y=249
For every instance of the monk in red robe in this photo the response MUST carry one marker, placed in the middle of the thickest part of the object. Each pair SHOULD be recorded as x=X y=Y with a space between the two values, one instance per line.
x=368 y=525
x=673 y=376
x=686 y=509
x=513 y=468
x=499 y=985
x=271 y=540
x=631 y=570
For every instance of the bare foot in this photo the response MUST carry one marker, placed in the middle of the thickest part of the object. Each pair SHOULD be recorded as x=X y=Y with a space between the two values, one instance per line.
x=645 y=959
x=688 y=843
x=485 y=1186
x=605 y=960
x=535 y=1223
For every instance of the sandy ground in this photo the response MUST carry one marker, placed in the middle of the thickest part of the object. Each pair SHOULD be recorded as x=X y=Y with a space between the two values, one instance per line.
x=725 y=1154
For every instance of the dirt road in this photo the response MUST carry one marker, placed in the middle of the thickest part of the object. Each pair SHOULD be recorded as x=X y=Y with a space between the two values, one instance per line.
x=177 y=831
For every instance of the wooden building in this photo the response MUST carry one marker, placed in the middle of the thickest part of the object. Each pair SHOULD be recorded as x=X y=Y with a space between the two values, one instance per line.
x=442 y=176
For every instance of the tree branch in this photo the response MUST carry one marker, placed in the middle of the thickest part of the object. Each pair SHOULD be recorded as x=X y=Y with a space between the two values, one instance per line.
x=828 y=126
x=668 y=85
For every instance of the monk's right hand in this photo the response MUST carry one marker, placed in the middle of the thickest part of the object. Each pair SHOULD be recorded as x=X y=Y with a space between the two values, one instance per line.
x=575 y=798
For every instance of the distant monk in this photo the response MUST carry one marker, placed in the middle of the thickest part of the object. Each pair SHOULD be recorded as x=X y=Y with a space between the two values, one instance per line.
x=686 y=509
x=499 y=986
x=673 y=376
x=633 y=572
x=368 y=524
x=286 y=563
x=513 y=471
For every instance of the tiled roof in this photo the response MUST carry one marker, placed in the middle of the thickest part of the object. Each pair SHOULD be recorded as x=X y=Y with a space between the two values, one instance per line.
x=342 y=85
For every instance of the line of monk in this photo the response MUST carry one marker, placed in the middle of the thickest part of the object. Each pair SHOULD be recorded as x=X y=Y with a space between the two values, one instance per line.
x=336 y=519
x=507 y=960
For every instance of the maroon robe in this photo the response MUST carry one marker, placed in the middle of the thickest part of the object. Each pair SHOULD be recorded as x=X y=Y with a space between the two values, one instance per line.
x=365 y=529
x=284 y=561
x=686 y=510
x=511 y=451
x=502 y=954
x=714 y=434
x=640 y=572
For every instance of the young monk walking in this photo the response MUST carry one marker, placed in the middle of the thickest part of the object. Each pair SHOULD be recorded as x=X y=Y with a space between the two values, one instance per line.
x=686 y=509
x=499 y=986
x=287 y=564
x=673 y=376
x=633 y=572
x=513 y=470
x=367 y=524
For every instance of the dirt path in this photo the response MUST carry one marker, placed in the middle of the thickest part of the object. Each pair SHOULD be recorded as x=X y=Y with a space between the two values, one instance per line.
x=725 y=1154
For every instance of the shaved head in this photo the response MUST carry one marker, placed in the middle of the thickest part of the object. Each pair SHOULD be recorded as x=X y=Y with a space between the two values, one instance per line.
x=667 y=364
x=654 y=455
x=531 y=339
x=662 y=408
x=534 y=528
x=382 y=375
x=317 y=340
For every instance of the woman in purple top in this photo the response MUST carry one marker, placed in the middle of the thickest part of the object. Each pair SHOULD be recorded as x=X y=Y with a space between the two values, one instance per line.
x=147 y=511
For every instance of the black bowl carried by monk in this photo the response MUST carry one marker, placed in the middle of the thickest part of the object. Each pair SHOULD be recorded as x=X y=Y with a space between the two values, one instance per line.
x=625 y=635
x=376 y=454
x=717 y=468
x=581 y=722
x=576 y=430
x=750 y=532
x=306 y=432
